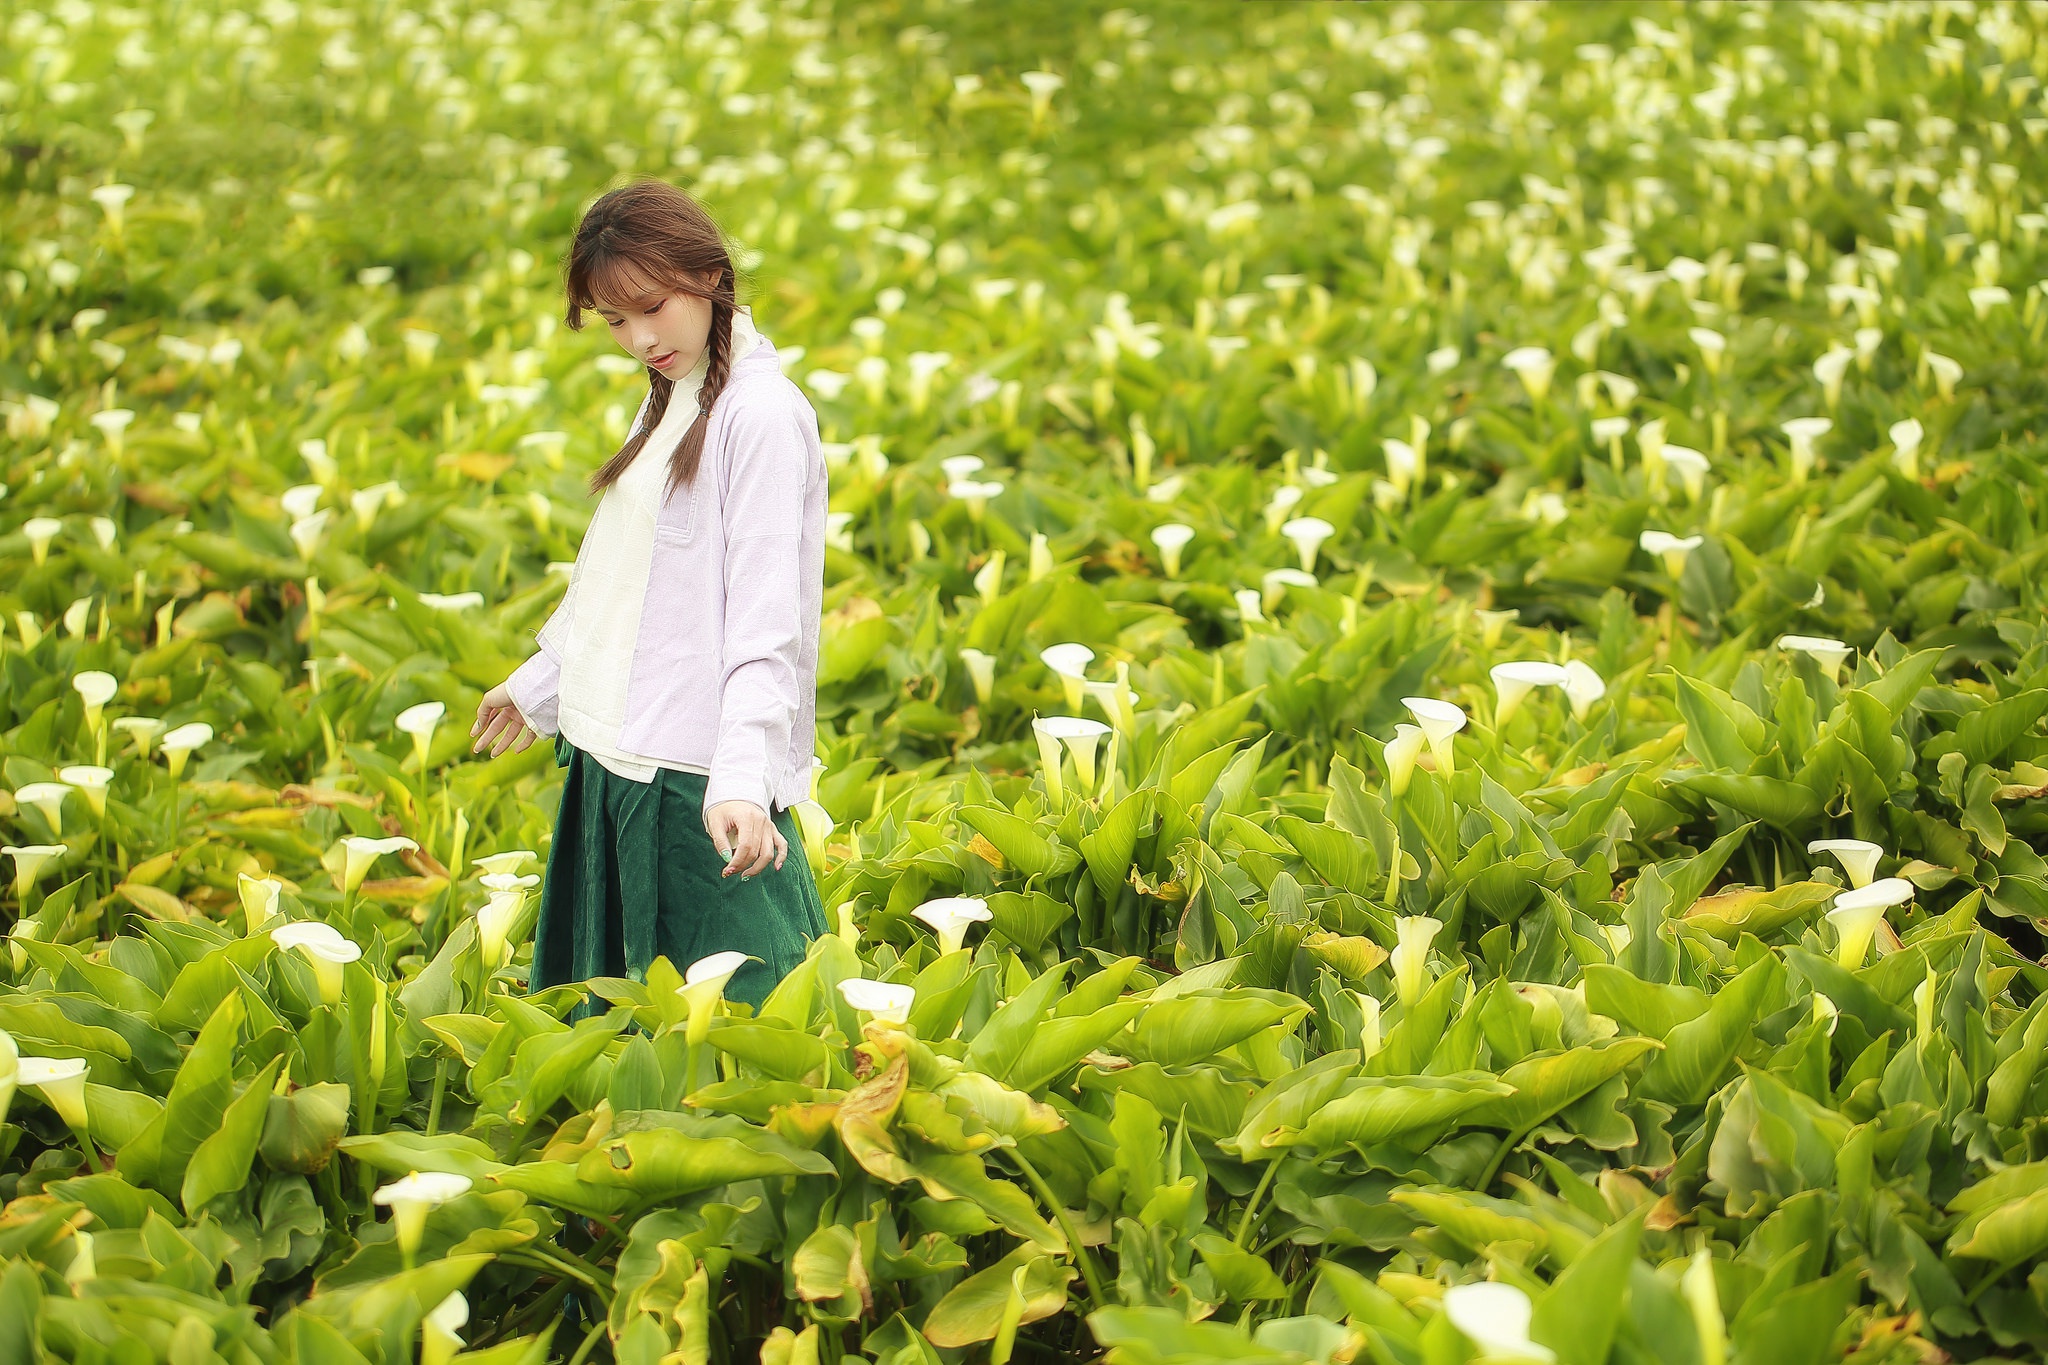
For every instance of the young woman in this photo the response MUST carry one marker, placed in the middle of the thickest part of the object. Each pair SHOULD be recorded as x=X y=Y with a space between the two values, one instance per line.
x=678 y=675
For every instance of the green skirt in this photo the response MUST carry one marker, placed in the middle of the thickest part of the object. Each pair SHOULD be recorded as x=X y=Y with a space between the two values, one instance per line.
x=632 y=875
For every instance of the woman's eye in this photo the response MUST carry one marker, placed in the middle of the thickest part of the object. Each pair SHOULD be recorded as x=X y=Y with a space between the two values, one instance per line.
x=657 y=307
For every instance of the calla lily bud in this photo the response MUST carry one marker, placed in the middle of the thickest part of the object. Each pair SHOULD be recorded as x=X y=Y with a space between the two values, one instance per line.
x=1049 y=750
x=1041 y=557
x=259 y=899
x=1494 y=624
x=949 y=917
x=1079 y=735
x=1410 y=958
x=1582 y=687
x=1369 y=1035
x=1858 y=857
x=10 y=1061
x=1705 y=1301
x=494 y=924
x=440 y=1330
x=981 y=672
x=1402 y=751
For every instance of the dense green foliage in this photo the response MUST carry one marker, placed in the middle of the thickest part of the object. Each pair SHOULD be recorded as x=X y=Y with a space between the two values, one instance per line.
x=1479 y=356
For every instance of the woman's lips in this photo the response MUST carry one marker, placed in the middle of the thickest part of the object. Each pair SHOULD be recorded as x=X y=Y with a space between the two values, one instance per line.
x=663 y=359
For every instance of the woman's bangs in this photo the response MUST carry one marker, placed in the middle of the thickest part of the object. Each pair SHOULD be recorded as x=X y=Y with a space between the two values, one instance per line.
x=618 y=280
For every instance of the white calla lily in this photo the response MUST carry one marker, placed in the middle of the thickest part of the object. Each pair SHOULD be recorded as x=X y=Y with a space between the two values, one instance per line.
x=1829 y=654
x=92 y=782
x=1410 y=958
x=1069 y=662
x=362 y=851
x=179 y=744
x=1401 y=754
x=1308 y=535
x=419 y=722
x=1496 y=1318
x=1513 y=681
x=885 y=1000
x=1672 y=550
x=1171 y=539
x=1856 y=914
x=1439 y=721
x=411 y=1198
x=325 y=947
x=704 y=987
x=949 y=917
x=61 y=1081
x=1583 y=686
x=1858 y=857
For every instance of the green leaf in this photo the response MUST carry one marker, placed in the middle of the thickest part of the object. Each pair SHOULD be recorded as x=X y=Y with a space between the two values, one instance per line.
x=1545 y=1084
x=1239 y=1274
x=1748 y=910
x=1195 y=1027
x=1697 y=1053
x=302 y=1129
x=1387 y=1108
x=666 y=1163
x=972 y=1310
x=399 y=1151
x=1985 y=736
x=1719 y=731
x=1577 y=1316
x=223 y=1162
x=1109 y=849
x=1019 y=841
x=1786 y=805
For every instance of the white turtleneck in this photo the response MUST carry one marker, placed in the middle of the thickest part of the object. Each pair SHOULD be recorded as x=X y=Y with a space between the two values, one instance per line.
x=612 y=580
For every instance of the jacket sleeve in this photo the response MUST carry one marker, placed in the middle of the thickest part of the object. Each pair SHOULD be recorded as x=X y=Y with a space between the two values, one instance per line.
x=766 y=472
x=535 y=686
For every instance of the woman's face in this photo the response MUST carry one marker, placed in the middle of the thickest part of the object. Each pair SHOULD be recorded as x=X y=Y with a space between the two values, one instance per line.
x=659 y=328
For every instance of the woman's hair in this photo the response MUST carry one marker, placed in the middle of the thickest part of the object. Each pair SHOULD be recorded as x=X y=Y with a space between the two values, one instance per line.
x=652 y=232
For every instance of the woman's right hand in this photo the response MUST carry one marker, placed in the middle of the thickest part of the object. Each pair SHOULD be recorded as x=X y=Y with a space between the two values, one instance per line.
x=497 y=719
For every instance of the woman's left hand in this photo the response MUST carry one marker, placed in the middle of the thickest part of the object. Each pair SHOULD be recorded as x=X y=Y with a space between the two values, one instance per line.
x=745 y=836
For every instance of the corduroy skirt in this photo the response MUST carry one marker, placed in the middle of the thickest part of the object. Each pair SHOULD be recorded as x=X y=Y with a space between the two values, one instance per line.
x=632 y=875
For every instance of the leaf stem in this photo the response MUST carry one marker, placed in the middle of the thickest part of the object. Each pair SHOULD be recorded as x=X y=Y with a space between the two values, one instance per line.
x=589 y=1343
x=1244 y=1223
x=1082 y=1259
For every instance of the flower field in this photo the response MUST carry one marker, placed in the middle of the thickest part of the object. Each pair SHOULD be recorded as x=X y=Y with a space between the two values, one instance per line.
x=1431 y=719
